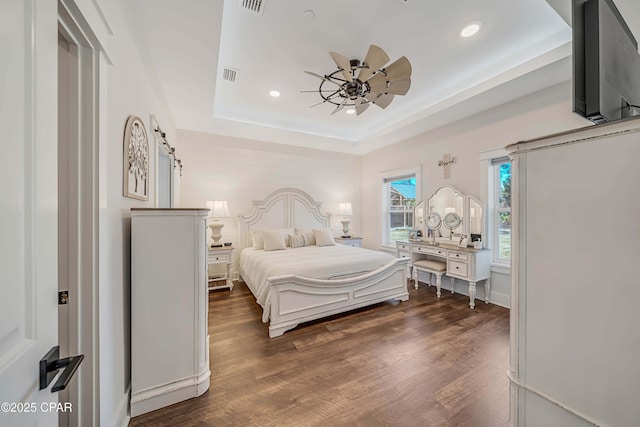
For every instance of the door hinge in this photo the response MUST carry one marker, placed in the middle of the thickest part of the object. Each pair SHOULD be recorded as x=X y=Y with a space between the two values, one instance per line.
x=63 y=297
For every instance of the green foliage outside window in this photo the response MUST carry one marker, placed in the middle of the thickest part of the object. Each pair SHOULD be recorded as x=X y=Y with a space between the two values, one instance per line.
x=504 y=211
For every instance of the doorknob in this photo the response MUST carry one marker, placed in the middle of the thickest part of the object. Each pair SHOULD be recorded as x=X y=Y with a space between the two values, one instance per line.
x=51 y=363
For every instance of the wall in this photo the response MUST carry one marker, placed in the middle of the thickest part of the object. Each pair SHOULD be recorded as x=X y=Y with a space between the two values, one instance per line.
x=125 y=89
x=541 y=113
x=240 y=171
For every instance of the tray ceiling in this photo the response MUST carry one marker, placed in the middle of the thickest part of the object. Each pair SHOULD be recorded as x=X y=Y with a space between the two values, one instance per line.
x=217 y=61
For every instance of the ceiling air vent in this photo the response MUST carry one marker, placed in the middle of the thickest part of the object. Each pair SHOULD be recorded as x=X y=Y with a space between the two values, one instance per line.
x=253 y=6
x=229 y=74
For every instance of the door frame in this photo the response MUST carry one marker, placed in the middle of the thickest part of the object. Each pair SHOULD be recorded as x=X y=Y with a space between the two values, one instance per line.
x=84 y=139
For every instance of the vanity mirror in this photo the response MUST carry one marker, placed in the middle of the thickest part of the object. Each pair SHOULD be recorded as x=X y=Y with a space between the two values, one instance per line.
x=449 y=204
x=434 y=222
x=459 y=214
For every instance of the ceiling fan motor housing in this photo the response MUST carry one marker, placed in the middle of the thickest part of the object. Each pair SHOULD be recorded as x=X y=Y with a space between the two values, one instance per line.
x=354 y=89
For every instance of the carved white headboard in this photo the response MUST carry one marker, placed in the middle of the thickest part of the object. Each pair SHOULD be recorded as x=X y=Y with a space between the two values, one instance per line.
x=284 y=208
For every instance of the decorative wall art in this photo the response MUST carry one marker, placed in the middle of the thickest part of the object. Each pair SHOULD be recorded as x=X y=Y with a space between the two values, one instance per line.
x=136 y=160
x=446 y=163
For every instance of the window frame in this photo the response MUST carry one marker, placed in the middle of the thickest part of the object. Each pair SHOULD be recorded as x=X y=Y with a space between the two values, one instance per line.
x=385 y=213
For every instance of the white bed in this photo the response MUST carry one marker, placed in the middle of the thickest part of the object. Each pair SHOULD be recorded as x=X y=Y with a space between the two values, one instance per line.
x=297 y=285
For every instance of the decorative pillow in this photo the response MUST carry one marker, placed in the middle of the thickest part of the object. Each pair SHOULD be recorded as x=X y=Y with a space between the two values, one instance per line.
x=285 y=233
x=257 y=239
x=324 y=237
x=309 y=238
x=273 y=240
x=297 y=240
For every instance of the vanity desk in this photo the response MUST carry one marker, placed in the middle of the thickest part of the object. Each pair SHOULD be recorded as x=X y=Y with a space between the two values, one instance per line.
x=454 y=225
x=468 y=264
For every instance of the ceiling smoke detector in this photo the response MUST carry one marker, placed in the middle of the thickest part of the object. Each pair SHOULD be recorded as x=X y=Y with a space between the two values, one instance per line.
x=358 y=85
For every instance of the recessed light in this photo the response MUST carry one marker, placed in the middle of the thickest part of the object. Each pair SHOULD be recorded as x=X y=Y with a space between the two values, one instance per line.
x=350 y=111
x=470 y=29
x=274 y=93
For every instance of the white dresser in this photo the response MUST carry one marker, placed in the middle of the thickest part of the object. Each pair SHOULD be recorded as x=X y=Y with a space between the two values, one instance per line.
x=468 y=264
x=575 y=342
x=169 y=306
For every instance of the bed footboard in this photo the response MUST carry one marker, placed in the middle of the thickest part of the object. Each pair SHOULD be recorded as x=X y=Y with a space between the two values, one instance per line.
x=296 y=299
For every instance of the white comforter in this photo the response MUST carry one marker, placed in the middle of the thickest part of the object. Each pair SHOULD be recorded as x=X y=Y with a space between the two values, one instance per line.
x=318 y=262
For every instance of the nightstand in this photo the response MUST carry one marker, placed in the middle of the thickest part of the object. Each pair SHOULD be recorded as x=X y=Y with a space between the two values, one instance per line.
x=219 y=268
x=349 y=241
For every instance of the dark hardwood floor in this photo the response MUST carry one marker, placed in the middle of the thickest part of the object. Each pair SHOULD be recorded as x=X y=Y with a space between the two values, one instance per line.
x=422 y=362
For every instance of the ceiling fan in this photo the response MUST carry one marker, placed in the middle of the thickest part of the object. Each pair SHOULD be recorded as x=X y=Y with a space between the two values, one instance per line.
x=358 y=85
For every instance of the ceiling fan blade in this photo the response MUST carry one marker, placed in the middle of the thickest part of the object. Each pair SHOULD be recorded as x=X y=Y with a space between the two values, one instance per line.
x=340 y=107
x=383 y=100
x=343 y=63
x=361 y=105
x=396 y=87
x=398 y=70
x=376 y=58
x=311 y=73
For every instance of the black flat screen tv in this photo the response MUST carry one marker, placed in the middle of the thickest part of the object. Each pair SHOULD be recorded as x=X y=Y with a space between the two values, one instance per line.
x=606 y=63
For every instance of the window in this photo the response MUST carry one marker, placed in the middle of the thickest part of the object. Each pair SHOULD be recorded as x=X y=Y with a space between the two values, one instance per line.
x=398 y=199
x=502 y=209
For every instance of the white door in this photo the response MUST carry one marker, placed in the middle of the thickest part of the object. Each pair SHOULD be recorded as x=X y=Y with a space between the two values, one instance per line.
x=28 y=208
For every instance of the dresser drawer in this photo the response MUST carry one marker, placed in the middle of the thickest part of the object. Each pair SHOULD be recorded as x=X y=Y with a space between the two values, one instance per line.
x=430 y=250
x=404 y=254
x=458 y=255
x=458 y=268
x=218 y=258
x=403 y=246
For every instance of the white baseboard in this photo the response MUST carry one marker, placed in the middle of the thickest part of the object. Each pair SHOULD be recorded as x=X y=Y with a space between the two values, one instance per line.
x=503 y=300
x=167 y=394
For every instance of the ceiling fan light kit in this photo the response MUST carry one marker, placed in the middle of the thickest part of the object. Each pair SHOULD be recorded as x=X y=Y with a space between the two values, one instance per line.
x=358 y=85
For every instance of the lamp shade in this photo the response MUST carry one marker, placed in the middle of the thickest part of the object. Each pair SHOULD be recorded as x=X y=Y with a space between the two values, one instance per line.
x=218 y=208
x=344 y=209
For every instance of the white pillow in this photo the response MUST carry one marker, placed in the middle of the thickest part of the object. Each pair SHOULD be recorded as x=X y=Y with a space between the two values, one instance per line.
x=257 y=240
x=324 y=237
x=274 y=240
x=309 y=238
